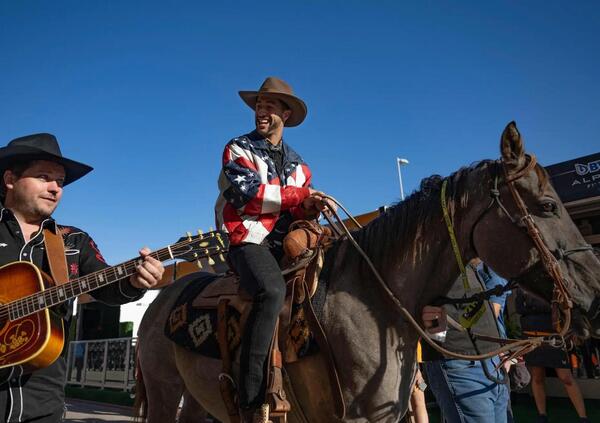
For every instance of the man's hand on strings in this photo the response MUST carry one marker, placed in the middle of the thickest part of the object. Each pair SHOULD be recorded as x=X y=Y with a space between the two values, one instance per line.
x=148 y=273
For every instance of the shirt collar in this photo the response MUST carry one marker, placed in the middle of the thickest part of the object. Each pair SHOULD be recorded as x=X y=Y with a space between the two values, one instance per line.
x=260 y=142
x=7 y=214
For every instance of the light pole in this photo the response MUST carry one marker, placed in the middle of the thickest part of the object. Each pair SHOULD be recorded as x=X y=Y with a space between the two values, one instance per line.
x=399 y=163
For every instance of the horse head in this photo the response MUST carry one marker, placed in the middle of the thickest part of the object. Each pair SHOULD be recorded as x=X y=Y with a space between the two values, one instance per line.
x=505 y=236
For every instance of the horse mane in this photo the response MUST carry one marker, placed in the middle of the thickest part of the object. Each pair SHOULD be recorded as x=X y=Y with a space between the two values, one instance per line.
x=406 y=221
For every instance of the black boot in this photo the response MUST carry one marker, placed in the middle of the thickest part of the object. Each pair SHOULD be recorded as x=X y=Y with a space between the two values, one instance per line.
x=247 y=416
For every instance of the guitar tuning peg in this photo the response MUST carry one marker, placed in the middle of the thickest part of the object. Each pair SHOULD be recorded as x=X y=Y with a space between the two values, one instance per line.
x=222 y=258
x=212 y=231
x=199 y=264
x=220 y=240
x=200 y=233
x=195 y=255
x=189 y=235
x=210 y=259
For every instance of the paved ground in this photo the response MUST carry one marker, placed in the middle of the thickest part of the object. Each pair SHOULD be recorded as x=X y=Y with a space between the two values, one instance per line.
x=559 y=409
x=79 y=411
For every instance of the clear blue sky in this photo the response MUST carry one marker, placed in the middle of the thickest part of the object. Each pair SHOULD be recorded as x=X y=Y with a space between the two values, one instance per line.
x=146 y=92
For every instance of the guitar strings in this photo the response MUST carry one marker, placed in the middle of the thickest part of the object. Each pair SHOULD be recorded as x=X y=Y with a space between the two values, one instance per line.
x=23 y=304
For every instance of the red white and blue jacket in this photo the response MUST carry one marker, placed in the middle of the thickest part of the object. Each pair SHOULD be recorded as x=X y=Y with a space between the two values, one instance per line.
x=252 y=194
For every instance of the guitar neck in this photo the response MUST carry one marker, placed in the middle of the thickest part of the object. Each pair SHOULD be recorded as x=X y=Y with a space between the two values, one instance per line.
x=60 y=293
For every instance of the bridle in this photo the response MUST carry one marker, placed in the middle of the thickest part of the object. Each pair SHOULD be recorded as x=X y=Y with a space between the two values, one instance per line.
x=561 y=299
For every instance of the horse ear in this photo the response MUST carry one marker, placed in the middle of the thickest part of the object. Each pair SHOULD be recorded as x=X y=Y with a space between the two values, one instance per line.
x=511 y=146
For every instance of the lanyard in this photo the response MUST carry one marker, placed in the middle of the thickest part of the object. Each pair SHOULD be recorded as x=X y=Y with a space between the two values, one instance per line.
x=472 y=311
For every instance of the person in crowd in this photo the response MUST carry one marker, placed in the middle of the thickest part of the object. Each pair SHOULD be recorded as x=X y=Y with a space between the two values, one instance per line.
x=418 y=407
x=468 y=390
x=536 y=320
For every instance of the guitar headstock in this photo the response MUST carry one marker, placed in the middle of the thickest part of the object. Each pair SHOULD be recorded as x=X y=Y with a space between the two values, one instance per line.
x=211 y=245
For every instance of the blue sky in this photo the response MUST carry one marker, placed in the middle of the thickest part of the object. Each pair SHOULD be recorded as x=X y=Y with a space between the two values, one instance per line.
x=146 y=92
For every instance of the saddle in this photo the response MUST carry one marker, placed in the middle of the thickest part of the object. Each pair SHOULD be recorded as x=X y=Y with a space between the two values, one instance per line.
x=304 y=248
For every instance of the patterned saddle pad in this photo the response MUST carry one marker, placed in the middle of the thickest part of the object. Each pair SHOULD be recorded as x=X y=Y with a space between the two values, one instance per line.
x=196 y=328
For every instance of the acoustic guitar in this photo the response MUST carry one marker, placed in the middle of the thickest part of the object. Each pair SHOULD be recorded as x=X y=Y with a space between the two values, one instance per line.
x=32 y=334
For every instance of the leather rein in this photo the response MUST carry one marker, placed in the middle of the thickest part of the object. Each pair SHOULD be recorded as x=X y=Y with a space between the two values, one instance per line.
x=561 y=299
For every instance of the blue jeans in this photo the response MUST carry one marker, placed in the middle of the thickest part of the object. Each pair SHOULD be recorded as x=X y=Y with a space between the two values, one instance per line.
x=465 y=394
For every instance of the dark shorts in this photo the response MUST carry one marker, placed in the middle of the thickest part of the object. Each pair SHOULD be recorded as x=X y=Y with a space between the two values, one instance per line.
x=554 y=358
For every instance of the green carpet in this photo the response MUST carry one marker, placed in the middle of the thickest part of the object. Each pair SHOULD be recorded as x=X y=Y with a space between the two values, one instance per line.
x=560 y=410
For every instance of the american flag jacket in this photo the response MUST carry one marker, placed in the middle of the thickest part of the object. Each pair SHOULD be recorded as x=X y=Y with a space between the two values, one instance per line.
x=252 y=194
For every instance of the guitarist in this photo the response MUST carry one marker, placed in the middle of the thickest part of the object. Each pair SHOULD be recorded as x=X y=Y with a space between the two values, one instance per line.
x=34 y=173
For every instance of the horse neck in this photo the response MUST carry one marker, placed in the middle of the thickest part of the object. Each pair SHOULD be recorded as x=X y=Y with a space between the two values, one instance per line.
x=410 y=245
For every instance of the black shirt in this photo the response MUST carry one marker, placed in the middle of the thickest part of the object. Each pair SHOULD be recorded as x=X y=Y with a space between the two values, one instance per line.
x=41 y=393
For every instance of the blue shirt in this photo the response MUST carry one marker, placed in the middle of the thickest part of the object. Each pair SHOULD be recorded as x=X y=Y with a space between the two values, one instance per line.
x=491 y=280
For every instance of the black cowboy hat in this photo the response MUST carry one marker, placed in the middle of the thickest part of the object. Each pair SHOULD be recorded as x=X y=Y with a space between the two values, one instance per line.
x=275 y=87
x=41 y=147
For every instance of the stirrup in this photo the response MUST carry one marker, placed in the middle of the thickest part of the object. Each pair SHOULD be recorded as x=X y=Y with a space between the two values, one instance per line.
x=261 y=415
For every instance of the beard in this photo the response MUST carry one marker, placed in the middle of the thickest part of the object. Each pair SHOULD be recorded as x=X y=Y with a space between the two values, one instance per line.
x=34 y=210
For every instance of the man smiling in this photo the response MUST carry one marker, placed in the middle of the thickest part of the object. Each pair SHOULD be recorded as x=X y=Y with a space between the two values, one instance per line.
x=264 y=186
x=34 y=173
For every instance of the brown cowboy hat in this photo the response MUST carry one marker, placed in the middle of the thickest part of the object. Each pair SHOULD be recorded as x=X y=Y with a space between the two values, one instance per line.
x=275 y=87
x=41 y=147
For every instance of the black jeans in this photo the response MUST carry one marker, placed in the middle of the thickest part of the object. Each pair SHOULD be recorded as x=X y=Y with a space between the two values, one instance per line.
x=260 y=276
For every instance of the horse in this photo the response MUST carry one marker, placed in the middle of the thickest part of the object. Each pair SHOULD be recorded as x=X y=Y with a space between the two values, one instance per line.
x=161 y=383
x=372 y=344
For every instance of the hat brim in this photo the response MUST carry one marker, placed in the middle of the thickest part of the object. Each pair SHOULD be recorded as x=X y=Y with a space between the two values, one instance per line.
x=73 y=170
x=297 y=106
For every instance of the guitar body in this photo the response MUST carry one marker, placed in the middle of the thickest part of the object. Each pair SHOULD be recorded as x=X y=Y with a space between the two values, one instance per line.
x=34 y=341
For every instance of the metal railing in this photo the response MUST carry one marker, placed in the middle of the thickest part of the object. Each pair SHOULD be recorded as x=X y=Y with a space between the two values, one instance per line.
x=104 y=363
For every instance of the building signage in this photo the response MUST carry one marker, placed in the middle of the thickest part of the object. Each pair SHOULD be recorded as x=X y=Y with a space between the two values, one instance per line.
x=576 y=179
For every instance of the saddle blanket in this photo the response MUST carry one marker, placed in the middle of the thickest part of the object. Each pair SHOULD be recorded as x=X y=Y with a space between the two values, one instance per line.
x=195 y=328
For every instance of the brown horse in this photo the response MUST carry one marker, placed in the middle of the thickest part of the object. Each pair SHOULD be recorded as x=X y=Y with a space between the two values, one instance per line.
x=372 y=345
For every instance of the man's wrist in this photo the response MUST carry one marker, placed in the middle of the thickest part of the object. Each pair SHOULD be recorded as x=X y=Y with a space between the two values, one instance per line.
x=129 y=290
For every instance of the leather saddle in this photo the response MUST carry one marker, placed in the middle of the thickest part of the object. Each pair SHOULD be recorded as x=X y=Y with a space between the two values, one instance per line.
x=304 y=249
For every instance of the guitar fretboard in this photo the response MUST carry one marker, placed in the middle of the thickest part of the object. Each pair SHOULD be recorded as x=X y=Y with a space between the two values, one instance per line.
x=61 y=293
x=191 y=248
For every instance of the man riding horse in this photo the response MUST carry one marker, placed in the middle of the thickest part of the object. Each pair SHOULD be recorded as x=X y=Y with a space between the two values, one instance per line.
x=264 y=186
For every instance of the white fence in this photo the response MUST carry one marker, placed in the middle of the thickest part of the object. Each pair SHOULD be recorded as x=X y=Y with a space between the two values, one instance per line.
x=104 y=363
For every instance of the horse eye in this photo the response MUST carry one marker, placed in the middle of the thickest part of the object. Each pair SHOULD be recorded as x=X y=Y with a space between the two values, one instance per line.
x=549 y=206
